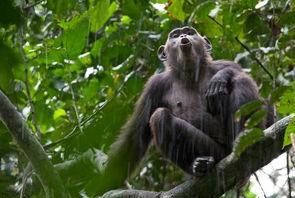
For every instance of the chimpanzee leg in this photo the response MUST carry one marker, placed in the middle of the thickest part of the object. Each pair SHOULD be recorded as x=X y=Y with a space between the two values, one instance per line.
x=180 y=141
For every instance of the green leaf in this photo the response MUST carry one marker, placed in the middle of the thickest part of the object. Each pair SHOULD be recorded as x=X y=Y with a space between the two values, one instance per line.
x=133 y=8
x=204 y=9
x=287 y=101
x=126 y=20
x=100 y=13
x=248 y=108
x=96 y=49
x=91 y=89
x=256 y=118
x=75 y=35
x=175 y=9
x=246 y=139
x=61 y=6
x=277 y=93
x=290 y=131
x=59 y=113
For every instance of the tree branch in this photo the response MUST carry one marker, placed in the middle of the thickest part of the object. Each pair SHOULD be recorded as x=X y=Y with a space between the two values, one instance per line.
x=227 y=173
x=33 y=150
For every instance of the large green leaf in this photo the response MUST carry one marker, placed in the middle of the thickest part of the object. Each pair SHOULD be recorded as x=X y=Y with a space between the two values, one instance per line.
x=75 y=36
x=100 y=13
x=61 y=6
x=175 y=9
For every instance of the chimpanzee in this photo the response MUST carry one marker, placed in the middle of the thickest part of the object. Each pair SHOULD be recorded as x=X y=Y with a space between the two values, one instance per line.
x=187 y=111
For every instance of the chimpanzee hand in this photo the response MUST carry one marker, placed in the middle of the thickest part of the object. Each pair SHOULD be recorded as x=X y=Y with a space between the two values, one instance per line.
x=202 y=165
x=216 y=95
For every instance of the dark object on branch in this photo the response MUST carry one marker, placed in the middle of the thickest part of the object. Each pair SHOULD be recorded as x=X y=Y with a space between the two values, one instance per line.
x=188 y=110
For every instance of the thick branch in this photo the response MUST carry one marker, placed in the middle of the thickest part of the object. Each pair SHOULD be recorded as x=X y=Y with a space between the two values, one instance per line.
x=227 y=173
x=33 y=150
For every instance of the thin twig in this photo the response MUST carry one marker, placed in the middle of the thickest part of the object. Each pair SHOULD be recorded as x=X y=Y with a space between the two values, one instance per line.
x=27 y=86
x=213 y=19
x=254 y=57
x=288 y=175
x=73 y=132
x=26 y=175
x=247 y=48
x=257 y=179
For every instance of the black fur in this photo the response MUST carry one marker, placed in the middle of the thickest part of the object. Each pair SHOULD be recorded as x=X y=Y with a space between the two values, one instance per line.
x=187 y=110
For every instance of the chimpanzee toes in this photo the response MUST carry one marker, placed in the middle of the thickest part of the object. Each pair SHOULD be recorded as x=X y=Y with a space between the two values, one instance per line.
x=202 y=165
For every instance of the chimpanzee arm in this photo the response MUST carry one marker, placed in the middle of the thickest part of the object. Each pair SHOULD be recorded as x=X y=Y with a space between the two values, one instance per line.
x=228 y=90
x=228 y=81
x=133 y=140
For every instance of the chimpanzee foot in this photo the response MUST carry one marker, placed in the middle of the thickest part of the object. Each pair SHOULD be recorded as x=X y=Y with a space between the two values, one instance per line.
x=203 y=165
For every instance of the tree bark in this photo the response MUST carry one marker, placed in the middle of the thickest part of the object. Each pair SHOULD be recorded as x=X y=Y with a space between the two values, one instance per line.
x=51 y=181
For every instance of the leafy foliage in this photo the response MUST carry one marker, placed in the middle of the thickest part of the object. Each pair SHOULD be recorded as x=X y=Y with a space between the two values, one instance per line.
x=75 y=68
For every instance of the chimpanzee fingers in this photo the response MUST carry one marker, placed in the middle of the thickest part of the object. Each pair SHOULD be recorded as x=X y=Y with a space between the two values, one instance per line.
x=222 y=89
x=210 y=90
x=217 y=88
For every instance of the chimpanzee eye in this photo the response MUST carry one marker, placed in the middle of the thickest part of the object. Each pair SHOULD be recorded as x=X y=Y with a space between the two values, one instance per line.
x=191 y=31
x=174 y=34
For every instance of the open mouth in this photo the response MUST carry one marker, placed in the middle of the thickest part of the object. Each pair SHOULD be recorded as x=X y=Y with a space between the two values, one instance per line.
x=184 y=41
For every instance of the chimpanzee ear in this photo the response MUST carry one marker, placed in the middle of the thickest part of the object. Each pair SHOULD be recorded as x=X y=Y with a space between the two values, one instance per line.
x=161 y=53
x=207 y=44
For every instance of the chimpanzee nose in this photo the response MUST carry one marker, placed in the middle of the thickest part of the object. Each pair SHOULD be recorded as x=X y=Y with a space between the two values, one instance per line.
x=184 y=40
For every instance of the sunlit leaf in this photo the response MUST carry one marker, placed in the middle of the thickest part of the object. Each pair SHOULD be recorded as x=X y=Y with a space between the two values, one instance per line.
x=59 y=113
x=126 y=20
x=261 y=4
x=290 y=131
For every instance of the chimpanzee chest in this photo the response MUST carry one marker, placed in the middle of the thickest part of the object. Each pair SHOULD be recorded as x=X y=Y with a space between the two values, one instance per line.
x=185 y=103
